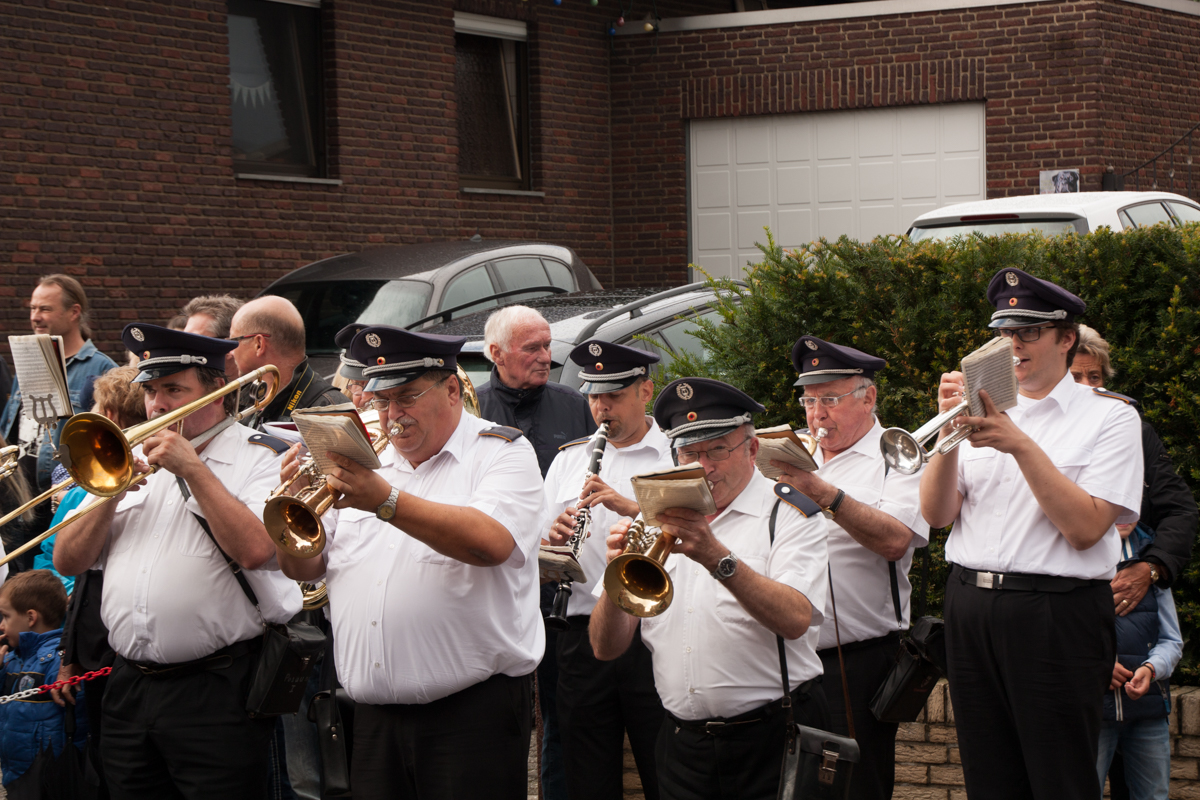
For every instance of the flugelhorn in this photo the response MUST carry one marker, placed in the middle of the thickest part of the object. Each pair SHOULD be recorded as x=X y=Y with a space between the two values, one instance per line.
x=99 y=456
x=9 y=457
x=637 y=580
x=294 y=520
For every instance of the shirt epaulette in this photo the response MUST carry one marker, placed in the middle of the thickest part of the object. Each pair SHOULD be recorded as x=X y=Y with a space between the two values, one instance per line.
x=797 y=500
x=503 y=432
x=580 y=440
x=1106 y=393
x=273 y=443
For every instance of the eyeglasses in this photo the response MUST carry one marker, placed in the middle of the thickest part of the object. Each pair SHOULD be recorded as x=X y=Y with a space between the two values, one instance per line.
x=240 y=339
x=1030 y=334
x=831 y=401
x=714 y=454
x=405 y=400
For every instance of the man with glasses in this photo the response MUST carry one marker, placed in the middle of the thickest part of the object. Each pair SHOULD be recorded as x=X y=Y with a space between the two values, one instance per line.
x=269 y=330
x=1034 y=495
x=875 y=526
x=751 y=572
x=431 y=568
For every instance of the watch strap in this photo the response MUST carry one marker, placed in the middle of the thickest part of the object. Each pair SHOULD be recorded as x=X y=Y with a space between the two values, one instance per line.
x=392 y=497
x=836 y=504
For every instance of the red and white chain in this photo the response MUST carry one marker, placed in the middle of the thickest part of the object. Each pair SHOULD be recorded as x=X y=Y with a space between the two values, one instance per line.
x=72 y=681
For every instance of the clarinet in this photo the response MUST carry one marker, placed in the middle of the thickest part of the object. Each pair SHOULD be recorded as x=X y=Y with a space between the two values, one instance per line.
x=557 y=618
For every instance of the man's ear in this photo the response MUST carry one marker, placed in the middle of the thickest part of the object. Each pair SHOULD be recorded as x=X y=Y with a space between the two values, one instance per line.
x=646 y=391
x=496 y=353
x=76 y=312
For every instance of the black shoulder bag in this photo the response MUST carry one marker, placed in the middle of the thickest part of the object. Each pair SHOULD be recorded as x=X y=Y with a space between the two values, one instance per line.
x=816 y=763
x=288 y=655
x=920 y=661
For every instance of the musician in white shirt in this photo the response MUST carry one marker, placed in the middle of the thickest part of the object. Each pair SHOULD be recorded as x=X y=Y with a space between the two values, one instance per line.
x=186 y=635
x=1033 y=496
x=431 y=570
x=736 y=588
x=601 y=702
x=875 y=527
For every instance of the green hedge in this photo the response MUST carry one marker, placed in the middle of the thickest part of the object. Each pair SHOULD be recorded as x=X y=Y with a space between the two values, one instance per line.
x=922 y=306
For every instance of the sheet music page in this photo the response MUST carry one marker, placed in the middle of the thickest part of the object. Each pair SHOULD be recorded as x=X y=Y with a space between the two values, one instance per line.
x=781 y=444
x=335 y=433
x=556 y=562
x=42 y=373
x=991 y=369
x=682 y=487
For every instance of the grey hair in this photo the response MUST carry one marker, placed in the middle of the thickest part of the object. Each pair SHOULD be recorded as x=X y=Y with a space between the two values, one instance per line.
x=860 y=389
x=502 y=322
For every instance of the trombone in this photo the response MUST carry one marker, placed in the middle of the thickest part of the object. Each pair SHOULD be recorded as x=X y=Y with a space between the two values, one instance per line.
x=99 y=456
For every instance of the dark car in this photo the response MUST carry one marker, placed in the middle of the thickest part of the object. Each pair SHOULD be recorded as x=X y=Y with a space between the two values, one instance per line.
x=661 y=321
x=401 y=285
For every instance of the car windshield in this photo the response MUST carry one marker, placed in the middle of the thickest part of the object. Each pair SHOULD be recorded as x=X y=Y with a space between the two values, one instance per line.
x=329 y=306
x=999 y=227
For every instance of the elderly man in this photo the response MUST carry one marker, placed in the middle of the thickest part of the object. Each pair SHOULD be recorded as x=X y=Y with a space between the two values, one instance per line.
x=269 y=330
x=1034 y=495
x=876 y=524
x=749 y=586
x=58 y=307
x=431 y=564
x=212 y=315
x=185 y=633
x=519 y=394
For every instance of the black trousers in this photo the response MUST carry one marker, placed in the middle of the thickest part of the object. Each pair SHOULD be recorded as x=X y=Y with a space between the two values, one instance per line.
x=186 y=736
x=867 y=666
x=598 y=702
x=1026 y=672
x=472 y=744
x=741 y=762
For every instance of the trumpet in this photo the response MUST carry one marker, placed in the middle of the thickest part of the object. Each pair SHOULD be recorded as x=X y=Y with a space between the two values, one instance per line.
x=9 y=456
x=294 y=520
x=99 y=456
x=637 y=580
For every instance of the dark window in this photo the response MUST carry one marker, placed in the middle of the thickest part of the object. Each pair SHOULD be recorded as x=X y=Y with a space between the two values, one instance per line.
x=472 y=285
x=560 y=275
x=275 y=88
x=329 y=306
x=491 y=77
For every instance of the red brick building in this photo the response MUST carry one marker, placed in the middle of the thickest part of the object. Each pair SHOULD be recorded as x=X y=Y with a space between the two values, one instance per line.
x=121 y=159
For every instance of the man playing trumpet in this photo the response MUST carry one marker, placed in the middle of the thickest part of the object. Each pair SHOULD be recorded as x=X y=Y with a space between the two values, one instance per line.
x=431 y=569
x=1033 y=496
x=715 y=653
x=186 y=636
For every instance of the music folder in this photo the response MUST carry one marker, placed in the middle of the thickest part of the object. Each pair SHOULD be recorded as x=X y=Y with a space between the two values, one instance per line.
x=683 y=486
x=781 y=444
x=990 y=369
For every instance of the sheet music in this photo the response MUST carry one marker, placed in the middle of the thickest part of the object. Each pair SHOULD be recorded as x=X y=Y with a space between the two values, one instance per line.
x=781 y=444
x=991 y=369
x=657 y=491
x=334 y=430
x=42 y=374
x=556 y=562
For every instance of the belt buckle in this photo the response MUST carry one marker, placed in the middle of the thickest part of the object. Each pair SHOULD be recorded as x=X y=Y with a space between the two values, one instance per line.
x=712 y=727
x=989 y=580
x=828 y=770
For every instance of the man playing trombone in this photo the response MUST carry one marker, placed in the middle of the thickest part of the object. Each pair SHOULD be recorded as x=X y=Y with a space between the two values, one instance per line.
x=185 y=633
x=432 y=574
x=1033 y=496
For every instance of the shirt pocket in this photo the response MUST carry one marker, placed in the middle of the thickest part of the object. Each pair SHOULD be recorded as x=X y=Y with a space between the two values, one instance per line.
x=194 y=541
x=672 y=567
x=129 y=513
x=978 y=463
x=351 y=537
x=1070 y=461
x=728 y=608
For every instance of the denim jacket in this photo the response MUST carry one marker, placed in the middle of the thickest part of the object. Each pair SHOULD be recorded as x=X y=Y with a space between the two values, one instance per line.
x=85 y=365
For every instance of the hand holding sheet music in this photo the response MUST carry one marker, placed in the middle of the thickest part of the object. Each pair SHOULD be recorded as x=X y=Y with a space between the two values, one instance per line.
x=679 y=487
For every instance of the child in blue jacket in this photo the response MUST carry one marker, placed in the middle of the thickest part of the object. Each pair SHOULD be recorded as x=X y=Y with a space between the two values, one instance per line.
x=32 y=607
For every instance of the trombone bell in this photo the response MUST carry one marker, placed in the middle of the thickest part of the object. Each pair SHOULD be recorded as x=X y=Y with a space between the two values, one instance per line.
x=636 y=580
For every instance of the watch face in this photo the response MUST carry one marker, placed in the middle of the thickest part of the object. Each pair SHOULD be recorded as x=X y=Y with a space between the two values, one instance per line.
x=727 y=566
x=386 y=512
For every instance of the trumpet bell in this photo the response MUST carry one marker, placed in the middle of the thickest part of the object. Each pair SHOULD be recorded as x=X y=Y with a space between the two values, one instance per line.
x=294 y=526
x=901 y=451
x=97 y=454
x=639 y=585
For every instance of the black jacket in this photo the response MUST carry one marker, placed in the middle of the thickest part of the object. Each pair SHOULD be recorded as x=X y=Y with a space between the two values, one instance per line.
x=1168 y=508
x=306 y=389
x=549 y=416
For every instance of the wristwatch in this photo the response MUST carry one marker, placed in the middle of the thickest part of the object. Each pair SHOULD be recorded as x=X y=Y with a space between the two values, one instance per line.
x=1153 y=574
x=726 y=567
x=387 y=509
x=831 y=512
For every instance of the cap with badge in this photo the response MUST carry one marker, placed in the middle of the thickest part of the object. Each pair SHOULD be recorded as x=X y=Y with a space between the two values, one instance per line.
x=692 y=410
x=819 y=361
x=394 y=356
x=1022 y=300
x=163 y=351
x=350 y=369
x=608 y=367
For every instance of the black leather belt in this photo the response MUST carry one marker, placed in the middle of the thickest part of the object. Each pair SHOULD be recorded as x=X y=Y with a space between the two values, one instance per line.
x=220 y=659
x=1023 y=582
x=718 y=725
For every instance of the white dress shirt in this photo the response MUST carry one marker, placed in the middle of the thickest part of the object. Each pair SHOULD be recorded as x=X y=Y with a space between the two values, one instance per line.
x=168 y=595
x=411 y=625
x=1093 y=440
x=862 y=584
x=711 y=658
x=564 y=480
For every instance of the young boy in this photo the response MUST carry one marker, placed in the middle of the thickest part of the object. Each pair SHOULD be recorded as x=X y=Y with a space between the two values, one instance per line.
x=32 y=606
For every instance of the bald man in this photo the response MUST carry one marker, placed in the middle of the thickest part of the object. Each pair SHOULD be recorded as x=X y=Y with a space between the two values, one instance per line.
x=269 y=330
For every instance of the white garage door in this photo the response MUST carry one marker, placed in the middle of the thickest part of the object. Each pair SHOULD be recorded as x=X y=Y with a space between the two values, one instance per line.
x=807 y=176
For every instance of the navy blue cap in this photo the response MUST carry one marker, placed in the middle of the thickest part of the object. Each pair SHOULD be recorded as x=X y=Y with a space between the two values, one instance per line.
x=608 y=367
x=1021 y=300
x=692 y=410
x=350 y=368
x=394 y=356
x=819 y=361
x=164 y=351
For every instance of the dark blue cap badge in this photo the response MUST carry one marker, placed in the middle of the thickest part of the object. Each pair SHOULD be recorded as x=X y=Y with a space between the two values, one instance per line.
x=608 y=367
x=1022 y=300
x=692 y=410
x=819 y=361
x=163 y=351
x=394 y=356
